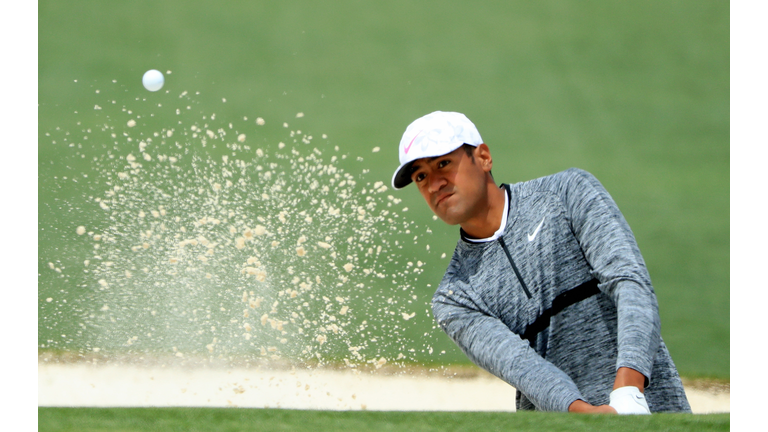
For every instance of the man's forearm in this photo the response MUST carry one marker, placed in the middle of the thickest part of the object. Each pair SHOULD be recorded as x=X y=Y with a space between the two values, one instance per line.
x=629 y=377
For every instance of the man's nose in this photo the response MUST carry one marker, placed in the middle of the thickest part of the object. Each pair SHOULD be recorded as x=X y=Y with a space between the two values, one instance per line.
x=436 y=182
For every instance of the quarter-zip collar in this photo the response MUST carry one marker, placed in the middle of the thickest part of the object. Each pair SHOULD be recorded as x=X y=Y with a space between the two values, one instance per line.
x=499 y=239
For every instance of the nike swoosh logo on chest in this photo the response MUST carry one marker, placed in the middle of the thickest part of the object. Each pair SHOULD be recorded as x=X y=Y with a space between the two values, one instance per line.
x=531 y=237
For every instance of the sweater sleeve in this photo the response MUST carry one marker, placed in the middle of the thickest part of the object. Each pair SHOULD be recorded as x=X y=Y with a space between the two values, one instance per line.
x=493 y=347
x=610 y=248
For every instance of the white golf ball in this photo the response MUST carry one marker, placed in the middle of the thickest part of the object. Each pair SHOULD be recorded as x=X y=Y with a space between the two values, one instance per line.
x=153 y=80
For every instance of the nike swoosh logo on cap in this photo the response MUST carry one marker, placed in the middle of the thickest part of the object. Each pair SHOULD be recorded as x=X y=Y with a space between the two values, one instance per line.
x=533 y=236
x=410 y=143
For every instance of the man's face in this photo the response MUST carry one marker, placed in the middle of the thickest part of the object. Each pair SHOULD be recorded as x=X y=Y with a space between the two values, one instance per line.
x=454 y=185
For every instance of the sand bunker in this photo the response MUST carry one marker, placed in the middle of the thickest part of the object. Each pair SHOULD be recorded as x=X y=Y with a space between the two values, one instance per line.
x=140 y=386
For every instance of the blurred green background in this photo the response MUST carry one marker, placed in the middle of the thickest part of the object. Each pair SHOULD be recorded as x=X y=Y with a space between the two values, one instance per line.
x=635 y=92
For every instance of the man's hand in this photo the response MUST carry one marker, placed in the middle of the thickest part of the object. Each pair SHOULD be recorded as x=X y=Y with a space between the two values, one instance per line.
x=629 y=400
x=627 y=396
x=579 y=406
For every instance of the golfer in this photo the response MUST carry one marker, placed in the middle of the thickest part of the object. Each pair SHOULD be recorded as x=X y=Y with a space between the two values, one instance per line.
x=547 y=288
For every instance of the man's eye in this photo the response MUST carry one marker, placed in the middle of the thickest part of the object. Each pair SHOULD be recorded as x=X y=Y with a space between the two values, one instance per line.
x=443 y=163
x=419 y=177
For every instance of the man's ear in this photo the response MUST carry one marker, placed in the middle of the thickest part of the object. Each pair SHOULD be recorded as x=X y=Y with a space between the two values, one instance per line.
x=483 y=157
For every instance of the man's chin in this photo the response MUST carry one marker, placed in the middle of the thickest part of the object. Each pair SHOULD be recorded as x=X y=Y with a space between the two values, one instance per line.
x=447 y=211
x=448 y=218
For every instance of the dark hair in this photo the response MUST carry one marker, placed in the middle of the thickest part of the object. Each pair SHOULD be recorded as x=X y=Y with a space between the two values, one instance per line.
x=469 y=150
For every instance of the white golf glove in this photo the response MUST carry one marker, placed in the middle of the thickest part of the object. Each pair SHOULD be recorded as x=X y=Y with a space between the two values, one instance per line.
x=629 y=400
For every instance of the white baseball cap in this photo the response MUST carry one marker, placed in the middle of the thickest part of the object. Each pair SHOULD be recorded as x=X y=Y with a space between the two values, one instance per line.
x=433 y=135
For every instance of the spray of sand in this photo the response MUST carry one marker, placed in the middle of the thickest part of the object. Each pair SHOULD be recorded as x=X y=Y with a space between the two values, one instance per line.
x=204 y=238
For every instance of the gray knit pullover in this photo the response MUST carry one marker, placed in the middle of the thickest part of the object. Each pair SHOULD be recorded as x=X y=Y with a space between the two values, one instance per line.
x=496 y=299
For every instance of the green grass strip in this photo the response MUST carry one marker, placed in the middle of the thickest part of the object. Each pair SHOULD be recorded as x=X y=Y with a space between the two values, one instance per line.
x=241 y=419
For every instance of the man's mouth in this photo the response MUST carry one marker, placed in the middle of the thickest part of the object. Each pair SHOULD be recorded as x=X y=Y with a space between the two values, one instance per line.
x=442 y=198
